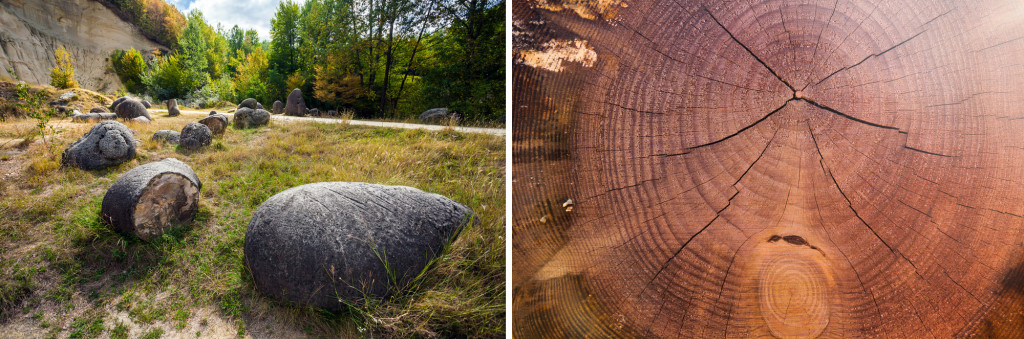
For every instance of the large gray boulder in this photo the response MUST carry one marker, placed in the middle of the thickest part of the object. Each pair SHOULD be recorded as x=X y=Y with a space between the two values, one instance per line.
x=153 y=198
x=250 y=103
x=315 y=244
x=216 y=122
x=166 y=135
x=131 y=109
x=278 y=107
x=248 y=118
x=107 y=143
x=295 y=105
x=195 y=136
x=172 y=108
x=434 y=115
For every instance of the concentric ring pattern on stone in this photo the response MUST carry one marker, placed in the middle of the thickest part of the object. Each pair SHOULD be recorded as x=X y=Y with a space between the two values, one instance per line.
x=768 y=168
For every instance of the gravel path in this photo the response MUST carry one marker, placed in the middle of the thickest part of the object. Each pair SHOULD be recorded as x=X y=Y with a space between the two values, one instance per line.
x=492 y=131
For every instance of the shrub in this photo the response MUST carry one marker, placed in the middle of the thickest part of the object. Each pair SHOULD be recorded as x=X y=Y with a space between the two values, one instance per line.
x=63 y=75
x=130 y=68
x=167 y=80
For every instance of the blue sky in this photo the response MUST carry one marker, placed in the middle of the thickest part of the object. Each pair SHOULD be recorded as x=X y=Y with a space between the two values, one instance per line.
x=244 y=13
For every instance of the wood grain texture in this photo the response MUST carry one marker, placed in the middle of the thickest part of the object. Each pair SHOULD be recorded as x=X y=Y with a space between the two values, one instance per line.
x=768 y=168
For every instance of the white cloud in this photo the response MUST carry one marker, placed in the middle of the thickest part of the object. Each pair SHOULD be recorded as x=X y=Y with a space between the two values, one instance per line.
x=246 y=14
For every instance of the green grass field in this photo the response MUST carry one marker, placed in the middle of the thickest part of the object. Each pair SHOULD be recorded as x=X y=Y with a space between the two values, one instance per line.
x=63 y=273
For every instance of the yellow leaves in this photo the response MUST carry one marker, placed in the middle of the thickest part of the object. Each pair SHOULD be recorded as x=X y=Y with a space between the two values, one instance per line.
x=63 y=74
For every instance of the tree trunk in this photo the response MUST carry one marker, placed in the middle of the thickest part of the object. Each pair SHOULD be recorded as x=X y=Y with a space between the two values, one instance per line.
x=412 y=57
x=768 y=168
x=388 y=61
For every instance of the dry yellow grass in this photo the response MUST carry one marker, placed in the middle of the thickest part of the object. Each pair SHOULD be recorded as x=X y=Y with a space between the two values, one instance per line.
x=62 y=272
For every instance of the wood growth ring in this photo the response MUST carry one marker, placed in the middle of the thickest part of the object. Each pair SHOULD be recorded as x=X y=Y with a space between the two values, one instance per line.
x=812 y=168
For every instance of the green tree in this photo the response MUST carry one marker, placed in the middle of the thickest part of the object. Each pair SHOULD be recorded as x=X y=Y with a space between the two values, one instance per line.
x=469 y=72
x=193 y=49
x=130 y=67
x=168 y=80
x=284 y=55
x=63 y=74
x=250 y=82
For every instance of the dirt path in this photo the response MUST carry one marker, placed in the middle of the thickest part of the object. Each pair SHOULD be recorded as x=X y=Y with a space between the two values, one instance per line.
x=492 y=131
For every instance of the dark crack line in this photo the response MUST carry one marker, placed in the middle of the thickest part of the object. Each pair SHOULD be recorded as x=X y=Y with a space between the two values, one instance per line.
x=926 y=152
x=748 y=49
x=830 y=109
x=868 y=57
x=848 y=202
x=717 y=215
x=936 y=18
x=837 y=112
x=744 y=128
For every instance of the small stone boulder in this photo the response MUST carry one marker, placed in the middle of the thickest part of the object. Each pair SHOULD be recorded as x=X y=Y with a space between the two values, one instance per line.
x=259 y=106
x=131 y=109
x=195 y=136
x=118 y=101
x=108 y=143
x=248 y=118
x=250 y=103
x=172 y=108
x=147 y=104
x=216 y=122
x=99 y=109
x=93 y=117
x=152 y=199
x=166 y=135
x=68 y=96
x=278 y=107
x=213 y=112
x=434 y=115
x=295 y=105
x=323 y=244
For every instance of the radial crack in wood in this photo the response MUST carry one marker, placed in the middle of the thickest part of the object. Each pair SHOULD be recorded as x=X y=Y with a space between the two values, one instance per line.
x=768 y=168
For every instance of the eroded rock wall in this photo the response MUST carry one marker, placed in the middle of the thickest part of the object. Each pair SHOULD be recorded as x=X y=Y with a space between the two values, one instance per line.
x=31 y=30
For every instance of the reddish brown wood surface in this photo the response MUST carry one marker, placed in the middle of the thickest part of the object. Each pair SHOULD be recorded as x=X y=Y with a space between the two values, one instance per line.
x=768 y=168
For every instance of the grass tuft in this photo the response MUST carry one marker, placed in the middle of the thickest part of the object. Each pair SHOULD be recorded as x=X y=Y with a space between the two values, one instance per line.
x=59 y=258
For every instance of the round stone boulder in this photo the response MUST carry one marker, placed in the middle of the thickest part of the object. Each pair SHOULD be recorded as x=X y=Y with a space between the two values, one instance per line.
x=327 y=243
x=107 y=143
x=166 y=135
x=131 y=109
x=99 y=109
x=118 y=101
x=248 y=118
x=153 y=198
x=146 y=103
x=216 y=122
x=295 y=105
x=278 y=107
x=250 y=103
x=434 y=114
x=195 y=136
x=172 y=108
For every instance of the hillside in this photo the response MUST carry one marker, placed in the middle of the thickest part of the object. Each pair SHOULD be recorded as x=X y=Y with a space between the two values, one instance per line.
x=30 y=31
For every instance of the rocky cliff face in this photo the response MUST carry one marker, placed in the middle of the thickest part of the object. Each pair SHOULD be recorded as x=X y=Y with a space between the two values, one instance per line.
x=31 y=30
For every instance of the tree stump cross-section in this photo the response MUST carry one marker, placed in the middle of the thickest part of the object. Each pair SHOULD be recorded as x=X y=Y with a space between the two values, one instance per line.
x=768 y=168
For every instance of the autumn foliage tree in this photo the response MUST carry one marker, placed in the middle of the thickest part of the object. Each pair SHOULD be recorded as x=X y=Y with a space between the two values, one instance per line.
x=130 y=67
x=63 y=74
